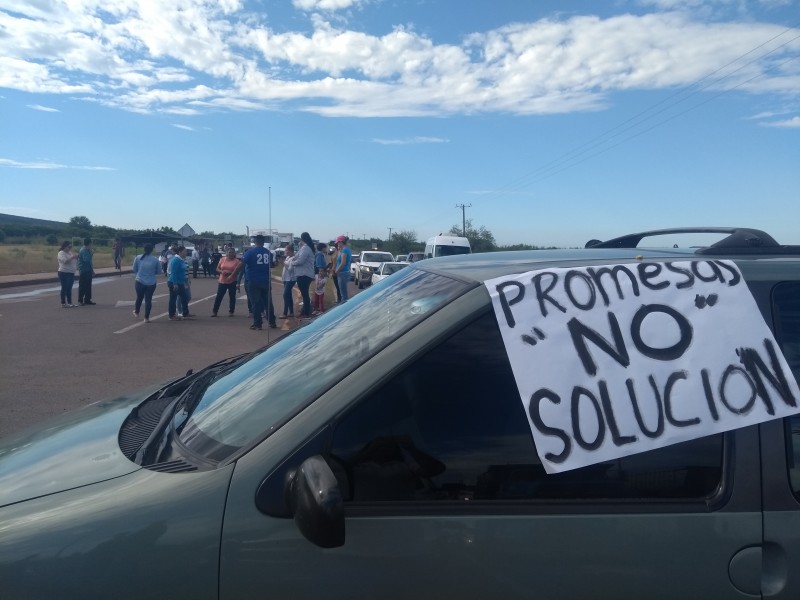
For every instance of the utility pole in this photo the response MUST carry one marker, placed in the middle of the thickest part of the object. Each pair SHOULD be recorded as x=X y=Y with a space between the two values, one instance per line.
x=463 y=218
x=390 y=233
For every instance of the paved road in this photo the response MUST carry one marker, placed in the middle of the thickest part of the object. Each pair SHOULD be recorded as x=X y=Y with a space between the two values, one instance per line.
x=54 y=359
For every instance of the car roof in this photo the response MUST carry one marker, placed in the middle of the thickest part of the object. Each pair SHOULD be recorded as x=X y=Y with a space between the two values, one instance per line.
x=741 y=245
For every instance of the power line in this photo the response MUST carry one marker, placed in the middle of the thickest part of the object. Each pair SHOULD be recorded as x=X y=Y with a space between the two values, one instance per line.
x=570 y=159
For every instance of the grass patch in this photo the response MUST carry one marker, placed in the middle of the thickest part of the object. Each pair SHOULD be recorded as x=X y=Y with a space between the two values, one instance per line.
x=41 y=258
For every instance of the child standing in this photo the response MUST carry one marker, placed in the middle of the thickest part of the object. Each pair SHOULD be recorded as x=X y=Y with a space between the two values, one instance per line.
x=321 y=270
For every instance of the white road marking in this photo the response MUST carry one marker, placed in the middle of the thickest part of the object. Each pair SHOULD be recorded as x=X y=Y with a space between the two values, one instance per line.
x=161 y=316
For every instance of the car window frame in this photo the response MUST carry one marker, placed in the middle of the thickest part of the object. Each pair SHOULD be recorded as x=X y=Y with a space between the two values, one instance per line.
x=739 y=492
x=775 y=440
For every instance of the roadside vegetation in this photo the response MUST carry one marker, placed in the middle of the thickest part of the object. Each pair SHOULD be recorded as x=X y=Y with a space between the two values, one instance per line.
x=21 y=259
x=30 y=245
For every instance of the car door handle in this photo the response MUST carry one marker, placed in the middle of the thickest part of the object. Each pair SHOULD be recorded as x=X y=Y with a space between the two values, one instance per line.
x=758 y=570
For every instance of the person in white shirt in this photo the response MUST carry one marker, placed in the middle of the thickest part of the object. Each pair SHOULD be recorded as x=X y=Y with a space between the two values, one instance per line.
x=67 y=265
x=195 y=262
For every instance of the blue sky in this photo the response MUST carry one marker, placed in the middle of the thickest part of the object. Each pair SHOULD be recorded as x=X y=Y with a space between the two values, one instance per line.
x=552 y=122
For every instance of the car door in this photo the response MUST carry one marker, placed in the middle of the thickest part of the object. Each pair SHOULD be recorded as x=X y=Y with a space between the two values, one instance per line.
x=445 y=496
x=780 y=441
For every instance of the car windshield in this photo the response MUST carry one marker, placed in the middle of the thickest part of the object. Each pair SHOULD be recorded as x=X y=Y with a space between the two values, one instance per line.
x=451 y=250
x=264 y=392
x=392 y=268
x=377 y=257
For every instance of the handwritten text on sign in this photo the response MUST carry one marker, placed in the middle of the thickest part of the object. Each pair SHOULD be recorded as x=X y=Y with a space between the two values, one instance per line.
x=620 y=359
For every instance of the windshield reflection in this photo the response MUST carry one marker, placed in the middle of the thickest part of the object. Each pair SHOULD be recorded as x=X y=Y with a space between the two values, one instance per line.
x=263 y=393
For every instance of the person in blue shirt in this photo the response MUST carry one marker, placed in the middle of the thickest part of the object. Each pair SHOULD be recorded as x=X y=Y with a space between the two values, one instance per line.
x=146 y=267
x=176 y=281
x=85 y=273
x=342 y=266
x=257 y=263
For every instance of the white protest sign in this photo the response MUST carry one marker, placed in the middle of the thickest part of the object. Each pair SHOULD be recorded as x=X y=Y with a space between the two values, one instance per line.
x=620 y=359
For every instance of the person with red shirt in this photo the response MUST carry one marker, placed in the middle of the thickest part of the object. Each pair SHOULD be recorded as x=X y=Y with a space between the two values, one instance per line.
x=227 y=269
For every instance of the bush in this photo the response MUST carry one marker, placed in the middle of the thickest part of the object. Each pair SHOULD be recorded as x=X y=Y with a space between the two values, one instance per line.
x=52 y=240
x=2 y=236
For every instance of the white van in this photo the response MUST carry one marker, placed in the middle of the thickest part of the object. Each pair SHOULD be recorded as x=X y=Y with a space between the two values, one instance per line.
x=446 y=245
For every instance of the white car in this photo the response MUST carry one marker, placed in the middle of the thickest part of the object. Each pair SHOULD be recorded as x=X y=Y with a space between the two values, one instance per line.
x=367 y=264
x=387 y=269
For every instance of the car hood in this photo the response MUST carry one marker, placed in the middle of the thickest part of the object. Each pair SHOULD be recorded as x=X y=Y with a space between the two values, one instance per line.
x=371 y=264
x=74 y=450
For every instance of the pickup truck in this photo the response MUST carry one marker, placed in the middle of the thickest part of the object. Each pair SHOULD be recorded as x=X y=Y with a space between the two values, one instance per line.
x=365 y=264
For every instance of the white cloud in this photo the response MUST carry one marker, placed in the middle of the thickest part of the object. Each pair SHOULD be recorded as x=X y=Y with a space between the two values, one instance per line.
x=190 y=56
x=42 y=108
x=793 y=123
x=47 y=165
x=324 y=5
x=411 y=140
x=185 y=127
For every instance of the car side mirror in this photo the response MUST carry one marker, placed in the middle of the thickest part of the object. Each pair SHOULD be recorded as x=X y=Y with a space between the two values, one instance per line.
x=314 y=499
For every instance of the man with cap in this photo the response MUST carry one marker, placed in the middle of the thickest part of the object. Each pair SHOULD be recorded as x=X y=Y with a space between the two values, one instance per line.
x=257 y=263
x=341 y=268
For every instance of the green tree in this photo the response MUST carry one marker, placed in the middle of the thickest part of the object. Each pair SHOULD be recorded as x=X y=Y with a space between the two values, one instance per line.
x=405 y=241
x=82 y=223
x=481 y=240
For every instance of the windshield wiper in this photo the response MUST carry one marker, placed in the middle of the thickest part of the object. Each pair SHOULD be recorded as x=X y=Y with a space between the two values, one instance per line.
x=159 y=440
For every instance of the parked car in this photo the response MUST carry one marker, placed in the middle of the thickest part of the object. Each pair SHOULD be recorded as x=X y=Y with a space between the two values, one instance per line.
x=366 y=264
x=387 y=269
x=416 y=462
x=414 y=256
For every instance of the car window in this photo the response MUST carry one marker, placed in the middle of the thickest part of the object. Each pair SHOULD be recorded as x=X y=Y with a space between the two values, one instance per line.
x=452 y=427
x=377 y=257
x=260 y=395
x=448 y=250
x=389 y=269
x=786 y=312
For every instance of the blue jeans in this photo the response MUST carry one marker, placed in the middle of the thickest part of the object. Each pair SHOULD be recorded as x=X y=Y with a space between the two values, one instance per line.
x=222 y=289
x=177 y=290
x=66 y=279
x=85 y=287
x=261 y=299
x=288 y=301
x=344 y=279
x=182 y=305
x=304 y=282
x=144 y=292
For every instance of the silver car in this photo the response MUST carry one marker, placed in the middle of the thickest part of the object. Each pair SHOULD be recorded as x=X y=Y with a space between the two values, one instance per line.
x=404 y=466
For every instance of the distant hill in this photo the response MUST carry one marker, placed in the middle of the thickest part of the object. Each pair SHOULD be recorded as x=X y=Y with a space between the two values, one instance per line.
x=16 y=220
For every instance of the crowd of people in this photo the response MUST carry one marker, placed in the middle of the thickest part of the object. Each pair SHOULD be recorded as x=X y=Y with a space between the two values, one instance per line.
x=308 y=268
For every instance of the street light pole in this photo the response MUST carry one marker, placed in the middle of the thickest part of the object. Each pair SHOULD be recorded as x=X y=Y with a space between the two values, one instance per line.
x=463 y=218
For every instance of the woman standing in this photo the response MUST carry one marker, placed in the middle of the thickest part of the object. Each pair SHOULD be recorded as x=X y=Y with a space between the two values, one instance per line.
x=332 y=269
x=146 y=267
x=304 y=271
x=227 y=269
x=67 y=265
x=289 y=280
